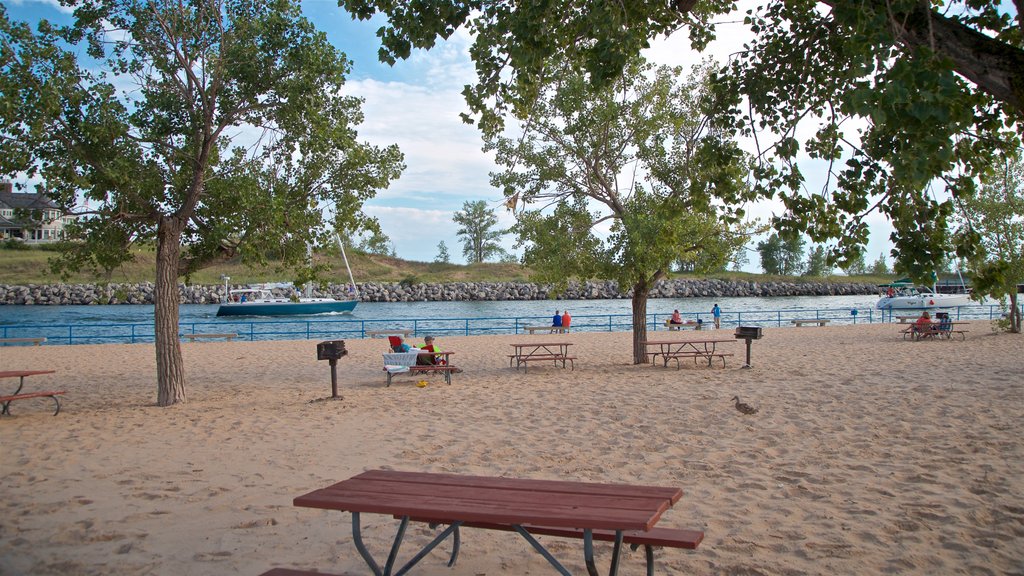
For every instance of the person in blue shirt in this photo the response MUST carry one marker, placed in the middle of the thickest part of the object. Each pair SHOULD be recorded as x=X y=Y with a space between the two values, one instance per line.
x=717 y=313
x=556 y=321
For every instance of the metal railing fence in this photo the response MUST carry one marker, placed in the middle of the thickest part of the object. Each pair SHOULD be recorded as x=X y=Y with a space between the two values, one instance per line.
x=332 y=328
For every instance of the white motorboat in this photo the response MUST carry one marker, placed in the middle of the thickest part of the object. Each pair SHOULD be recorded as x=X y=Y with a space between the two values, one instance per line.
x=905 y=296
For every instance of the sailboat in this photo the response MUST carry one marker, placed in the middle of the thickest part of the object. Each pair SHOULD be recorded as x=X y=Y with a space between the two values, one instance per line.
x=261 y=301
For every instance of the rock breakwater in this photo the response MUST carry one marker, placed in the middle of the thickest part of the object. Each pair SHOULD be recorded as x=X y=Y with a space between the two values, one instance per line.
x=142 y=293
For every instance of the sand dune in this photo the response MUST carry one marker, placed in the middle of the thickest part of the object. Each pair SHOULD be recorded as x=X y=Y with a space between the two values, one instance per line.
x=868 y=455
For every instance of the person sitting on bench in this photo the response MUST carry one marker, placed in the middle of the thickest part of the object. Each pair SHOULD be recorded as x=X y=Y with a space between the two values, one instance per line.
x=429 y=359
x=398 y=345
x=556 y=321
x=676 y=318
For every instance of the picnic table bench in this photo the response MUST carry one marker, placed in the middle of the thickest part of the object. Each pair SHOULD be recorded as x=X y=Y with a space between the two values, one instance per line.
x=36 y=340
x=679 y=349
x=549 y=329
x=527 y=352
x=619 y=513
x=201 y=336
x=905 y=319
x=5 y=401
x=446 y=369
x=688 y=324
x=816 y=321
x=405 y=332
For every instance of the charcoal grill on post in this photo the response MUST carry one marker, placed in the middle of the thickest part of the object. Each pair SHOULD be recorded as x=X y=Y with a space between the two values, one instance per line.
x=332 y=350
x=748 y=333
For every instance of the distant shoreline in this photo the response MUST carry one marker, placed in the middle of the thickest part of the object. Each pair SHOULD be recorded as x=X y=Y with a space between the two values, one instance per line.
x=142 y=293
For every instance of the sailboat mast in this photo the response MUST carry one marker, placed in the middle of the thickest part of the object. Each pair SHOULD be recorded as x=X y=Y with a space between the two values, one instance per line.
x=341 y=245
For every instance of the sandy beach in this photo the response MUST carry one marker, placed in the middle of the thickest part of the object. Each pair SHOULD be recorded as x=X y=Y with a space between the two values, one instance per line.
x=869 y=454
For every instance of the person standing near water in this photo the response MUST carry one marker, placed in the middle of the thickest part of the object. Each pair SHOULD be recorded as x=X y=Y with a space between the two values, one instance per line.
x=717 y=313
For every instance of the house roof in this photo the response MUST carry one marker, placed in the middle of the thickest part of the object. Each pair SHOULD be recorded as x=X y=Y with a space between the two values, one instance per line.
x=16 y=201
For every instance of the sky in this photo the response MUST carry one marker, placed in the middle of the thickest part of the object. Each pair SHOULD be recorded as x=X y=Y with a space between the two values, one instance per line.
x=416 y=104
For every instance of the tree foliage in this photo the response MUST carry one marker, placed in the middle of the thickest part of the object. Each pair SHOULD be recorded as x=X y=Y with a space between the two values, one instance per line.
x=996 y=215
x=782 y=256
x=880 y=267
x=476 y=229
x=899 y=93
x=817 y=263
x=624 y=181
x=442 y=253
x=143 y=130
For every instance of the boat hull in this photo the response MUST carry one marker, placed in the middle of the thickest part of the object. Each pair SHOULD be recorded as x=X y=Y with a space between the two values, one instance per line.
x=286 y=308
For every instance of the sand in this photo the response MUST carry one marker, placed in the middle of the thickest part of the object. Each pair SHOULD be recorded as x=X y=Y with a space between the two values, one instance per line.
x=869 y=454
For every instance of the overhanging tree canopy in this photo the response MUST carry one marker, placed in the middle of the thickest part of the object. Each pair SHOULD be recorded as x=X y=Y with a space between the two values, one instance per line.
x=936 y=89
x=144 y=137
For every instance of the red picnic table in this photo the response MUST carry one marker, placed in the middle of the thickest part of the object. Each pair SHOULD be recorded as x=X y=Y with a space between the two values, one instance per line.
x=5 y=401
x=614 y=512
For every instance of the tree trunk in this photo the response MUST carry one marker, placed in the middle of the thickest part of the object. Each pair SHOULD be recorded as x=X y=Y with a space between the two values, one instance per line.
x=170 y=369
x=639 y=322
x=1015 y=319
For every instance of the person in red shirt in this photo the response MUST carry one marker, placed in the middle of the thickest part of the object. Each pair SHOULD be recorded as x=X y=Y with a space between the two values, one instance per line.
x=923 y=325
x=566 y=319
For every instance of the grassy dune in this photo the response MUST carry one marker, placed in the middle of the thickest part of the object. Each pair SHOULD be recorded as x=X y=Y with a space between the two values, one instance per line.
x=31 y=267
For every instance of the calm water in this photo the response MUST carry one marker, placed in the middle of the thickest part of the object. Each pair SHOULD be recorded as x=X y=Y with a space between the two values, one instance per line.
x=128 y=323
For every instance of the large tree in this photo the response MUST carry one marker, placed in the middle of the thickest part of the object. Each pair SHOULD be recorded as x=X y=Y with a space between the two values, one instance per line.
x=995 y=216
x=141 y=131
x=623 y=181
x=898 y=93
x=782 y=256
x=476 y=231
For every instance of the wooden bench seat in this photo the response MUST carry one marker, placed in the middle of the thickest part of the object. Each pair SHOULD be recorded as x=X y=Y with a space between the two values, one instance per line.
x=655 y=537
x=36 y=340
x=194 y=337
x=799 y=323
x=292 y=572
x=543 y=358
x=405 y=332
x=549 y=329
x=678 y=355
x=446 y=370
x=935 y=332
x=6 y=400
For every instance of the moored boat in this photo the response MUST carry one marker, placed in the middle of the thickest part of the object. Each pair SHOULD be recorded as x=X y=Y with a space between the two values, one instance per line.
x=263 y=302
x=902 y=295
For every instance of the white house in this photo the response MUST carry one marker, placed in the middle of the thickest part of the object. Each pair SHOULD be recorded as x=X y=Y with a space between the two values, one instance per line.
x=47 y=222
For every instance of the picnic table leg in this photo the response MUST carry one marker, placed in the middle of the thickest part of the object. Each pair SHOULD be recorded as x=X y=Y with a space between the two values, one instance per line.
x=357 y=538
x=21 y=384
x=542 y=550
x=588 y=552
x=450 y=530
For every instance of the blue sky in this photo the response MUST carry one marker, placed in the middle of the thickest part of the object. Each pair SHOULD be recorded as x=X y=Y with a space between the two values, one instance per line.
x=416 y=104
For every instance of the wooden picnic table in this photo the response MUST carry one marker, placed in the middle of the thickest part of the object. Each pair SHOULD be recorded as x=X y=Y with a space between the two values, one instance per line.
x=21 y=375
x=677 y=349
x=527 y=352
x=444 y=366
x=937 y=329
x=518 y=504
